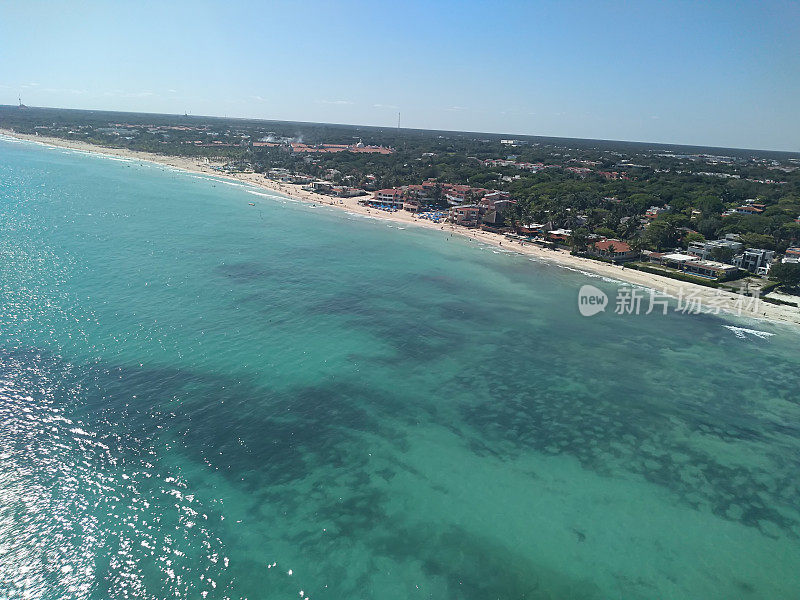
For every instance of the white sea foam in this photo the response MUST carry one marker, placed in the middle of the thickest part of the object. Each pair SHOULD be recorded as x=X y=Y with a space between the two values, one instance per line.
x=262 y=194
x=742 y=332
x=116 y=158
x=360 y=216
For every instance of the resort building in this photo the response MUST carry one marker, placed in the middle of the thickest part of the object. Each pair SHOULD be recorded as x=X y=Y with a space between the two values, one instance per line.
x=530 y=229
x=675 y=260
x=559 y=235
x=284 y=175
x=492 y=221
x=694 y=265
x=710 y=269
x=458 y=194
x=750 y=209
x=613 y=249
x=420 y=193
x=412 y=205
x=416 y=197
x=466 y=214
x=278 y=173
x=388 y=195
x=344 y=191
x=329 y=148
x=391 y=198
x=496 y=201
x=320 y=187
x=755 y=260
x=298 y=179
x=704 y=250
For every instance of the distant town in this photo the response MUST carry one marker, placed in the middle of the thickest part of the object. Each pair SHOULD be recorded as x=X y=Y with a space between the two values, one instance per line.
x=720 y=218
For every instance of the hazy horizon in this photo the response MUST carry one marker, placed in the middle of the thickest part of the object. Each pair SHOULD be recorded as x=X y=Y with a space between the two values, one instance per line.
x=359 y=125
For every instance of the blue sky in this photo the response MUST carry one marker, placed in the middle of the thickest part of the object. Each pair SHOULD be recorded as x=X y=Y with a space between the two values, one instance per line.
x=707 y=73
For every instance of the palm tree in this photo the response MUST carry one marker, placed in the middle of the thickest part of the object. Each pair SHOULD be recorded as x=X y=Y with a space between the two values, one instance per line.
x=579 y=239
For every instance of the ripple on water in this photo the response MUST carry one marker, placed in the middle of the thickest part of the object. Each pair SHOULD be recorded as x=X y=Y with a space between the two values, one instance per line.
x=85 y=508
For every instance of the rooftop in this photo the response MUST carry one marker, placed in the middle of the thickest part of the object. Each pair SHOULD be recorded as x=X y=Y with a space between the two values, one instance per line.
x=619 y=246
x=677 y=257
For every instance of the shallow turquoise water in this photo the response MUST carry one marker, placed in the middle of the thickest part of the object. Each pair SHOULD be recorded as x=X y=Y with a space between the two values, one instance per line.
x=193 y=389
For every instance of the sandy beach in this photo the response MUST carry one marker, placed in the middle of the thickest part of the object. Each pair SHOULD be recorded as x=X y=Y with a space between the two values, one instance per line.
x=706 y=297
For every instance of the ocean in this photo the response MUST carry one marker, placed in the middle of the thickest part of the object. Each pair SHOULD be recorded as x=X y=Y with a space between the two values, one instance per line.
x=204 y=399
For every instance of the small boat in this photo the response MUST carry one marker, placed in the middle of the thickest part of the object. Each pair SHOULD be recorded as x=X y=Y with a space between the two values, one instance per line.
x=252 y=203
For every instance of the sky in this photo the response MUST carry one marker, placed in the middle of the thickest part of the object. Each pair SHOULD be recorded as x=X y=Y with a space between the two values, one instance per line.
x=717 y=73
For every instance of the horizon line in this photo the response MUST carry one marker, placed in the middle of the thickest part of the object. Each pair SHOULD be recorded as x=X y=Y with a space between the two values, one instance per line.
x=395 y=128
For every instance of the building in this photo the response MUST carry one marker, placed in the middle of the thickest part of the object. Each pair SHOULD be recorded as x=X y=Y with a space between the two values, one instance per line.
x=412 y=206
x=466 y=214
x=559 y=235
x=694 y=265
x=278 y=173
x=654 y=211
x=500 y=162
x=706 y=250
x=458 y=194
x=676 y=260
x=710 y=269
x=530 y=229
x=329 y=148
x=792 y=255
x=613 y=249
x=299 y=179
x=496 y=201
x=420 y=193
x=345 y=191
x=387 y=198
x=755 y=260
x=320 y=187
x=418 y=196
x=492 y=221
x=389 y=195
x=580 y=171
x=750 y=209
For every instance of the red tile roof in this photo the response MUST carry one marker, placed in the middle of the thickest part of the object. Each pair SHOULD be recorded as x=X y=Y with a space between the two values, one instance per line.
x=620 y=247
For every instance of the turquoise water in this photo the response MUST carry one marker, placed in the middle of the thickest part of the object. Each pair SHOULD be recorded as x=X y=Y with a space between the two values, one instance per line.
x=193 y=390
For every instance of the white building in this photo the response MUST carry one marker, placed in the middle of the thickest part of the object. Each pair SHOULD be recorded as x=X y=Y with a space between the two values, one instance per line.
x=755 y=260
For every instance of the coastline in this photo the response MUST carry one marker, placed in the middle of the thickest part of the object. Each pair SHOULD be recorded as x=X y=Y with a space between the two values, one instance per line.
x=671 y=287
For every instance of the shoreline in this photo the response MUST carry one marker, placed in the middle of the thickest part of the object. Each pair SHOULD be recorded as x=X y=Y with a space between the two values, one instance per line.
x=670 y=287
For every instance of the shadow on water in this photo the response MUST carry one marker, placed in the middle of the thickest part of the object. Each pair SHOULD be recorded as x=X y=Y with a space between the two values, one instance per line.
x=631 y=435
x=610 y=429
x=476 y=568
